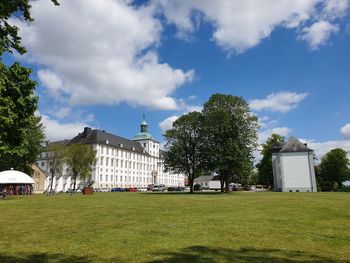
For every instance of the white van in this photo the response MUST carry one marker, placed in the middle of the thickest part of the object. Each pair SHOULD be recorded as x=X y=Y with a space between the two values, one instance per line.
x=158 y=188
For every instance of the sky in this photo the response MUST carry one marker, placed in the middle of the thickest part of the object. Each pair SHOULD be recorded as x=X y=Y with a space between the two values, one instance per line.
x=104 y=64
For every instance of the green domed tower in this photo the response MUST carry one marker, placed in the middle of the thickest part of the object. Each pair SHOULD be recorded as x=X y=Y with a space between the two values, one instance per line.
x=143 y=134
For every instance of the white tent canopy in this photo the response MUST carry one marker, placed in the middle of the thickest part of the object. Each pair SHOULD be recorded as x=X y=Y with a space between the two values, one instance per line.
x=15 y=177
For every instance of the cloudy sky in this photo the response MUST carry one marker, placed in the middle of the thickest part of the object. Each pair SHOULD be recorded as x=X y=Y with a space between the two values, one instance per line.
x=105 y=63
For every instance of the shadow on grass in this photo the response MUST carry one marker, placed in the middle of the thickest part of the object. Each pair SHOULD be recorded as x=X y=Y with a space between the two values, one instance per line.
x=55 y=258
x=187 y=193
x=195 y=254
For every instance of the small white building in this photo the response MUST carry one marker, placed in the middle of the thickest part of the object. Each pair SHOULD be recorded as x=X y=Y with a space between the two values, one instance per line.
x=293 y=167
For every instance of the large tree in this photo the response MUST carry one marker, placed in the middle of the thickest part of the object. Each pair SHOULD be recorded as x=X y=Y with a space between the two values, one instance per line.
x=333 y=170
x=265 y=165
x=21 y=133
x=230 y=137
x=80 y=158
x=183 y=147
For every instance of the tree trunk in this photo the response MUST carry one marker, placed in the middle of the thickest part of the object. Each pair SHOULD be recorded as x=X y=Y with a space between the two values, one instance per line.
x=191 y=184
x=222 y=184
x=51 y=183
x=75 y=182
x=227 y=189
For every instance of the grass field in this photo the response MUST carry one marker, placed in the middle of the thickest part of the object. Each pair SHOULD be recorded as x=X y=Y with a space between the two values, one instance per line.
x=176 y=227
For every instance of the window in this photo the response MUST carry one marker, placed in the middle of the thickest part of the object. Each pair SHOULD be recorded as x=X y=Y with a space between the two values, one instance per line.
x=107 y=161
x=42 y=164
x=101 y=160
x=112 y=162
x=106 y=177
x=144 y=145
x=100 y=177
x=111 y=178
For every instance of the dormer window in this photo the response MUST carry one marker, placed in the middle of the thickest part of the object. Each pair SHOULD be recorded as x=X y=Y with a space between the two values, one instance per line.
x=106 y=141
x=121 y=145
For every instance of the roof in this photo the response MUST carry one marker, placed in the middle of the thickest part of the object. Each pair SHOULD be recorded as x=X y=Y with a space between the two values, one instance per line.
x=142 y=136
x=89 y=136
x=294 y=145
x=15 y=177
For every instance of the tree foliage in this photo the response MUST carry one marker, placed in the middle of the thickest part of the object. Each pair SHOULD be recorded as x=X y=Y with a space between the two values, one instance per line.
x=333 y=170
x=9 y=38
x=265 y=165
x=80 y=158
x=230 y=137
x=183 y=147
x=56 y=157
x=21 y=132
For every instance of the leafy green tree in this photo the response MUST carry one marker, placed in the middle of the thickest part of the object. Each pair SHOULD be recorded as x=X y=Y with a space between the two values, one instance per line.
x=183 y=147
x=265 y=165
x=230 y=137
x=333 y=170
x=56 y=158
x=21 y=133
x=80 y=158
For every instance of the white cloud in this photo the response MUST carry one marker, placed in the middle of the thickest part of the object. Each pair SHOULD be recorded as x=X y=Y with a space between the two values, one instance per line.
x=321 y=148
x=62 y=112
x=345 y=131
x=284 y=101
x=335 y=8
x=55 y=130
x=240 y=24
x=101 y=52
x=167 y=123
x=283 y=131
x=318 y=33
x=51 y=81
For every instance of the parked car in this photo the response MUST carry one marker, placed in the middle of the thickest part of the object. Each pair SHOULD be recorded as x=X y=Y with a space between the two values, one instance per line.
x=158 y=188
x=142 y=189
x=197 y=188
x=133 y=189
x=150 y=187
x=104 y=190
x=179 y=189
x=118 y=189
x=235 y=187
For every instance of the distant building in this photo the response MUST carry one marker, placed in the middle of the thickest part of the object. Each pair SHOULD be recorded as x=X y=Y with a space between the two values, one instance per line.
x=39 y=177
x=293 y=167
x=120 y=162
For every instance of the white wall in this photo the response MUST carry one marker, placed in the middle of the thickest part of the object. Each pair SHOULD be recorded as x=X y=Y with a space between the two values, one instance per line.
x=295 y=170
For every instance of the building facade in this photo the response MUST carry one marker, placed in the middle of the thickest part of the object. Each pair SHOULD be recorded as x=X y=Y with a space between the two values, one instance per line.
x=120 y=162
x=293 y=167
x=39 y=177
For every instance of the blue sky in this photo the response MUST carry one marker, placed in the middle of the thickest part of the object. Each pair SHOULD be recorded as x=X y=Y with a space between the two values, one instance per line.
x=105 y=63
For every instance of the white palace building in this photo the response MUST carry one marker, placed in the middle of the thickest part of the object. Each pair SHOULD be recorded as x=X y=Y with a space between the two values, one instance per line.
x=120 y=162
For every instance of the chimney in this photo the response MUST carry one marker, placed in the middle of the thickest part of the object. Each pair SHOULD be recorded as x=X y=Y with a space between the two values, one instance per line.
x=87 y=130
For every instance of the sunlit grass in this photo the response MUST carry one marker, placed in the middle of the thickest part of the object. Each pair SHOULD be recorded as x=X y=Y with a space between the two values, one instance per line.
x=176 y=227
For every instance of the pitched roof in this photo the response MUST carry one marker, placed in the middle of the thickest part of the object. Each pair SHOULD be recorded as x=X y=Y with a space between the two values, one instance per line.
x=294 y=145
x=89 y=136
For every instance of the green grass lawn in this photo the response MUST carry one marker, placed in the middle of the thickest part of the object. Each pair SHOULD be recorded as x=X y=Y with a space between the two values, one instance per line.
x=176 y=227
